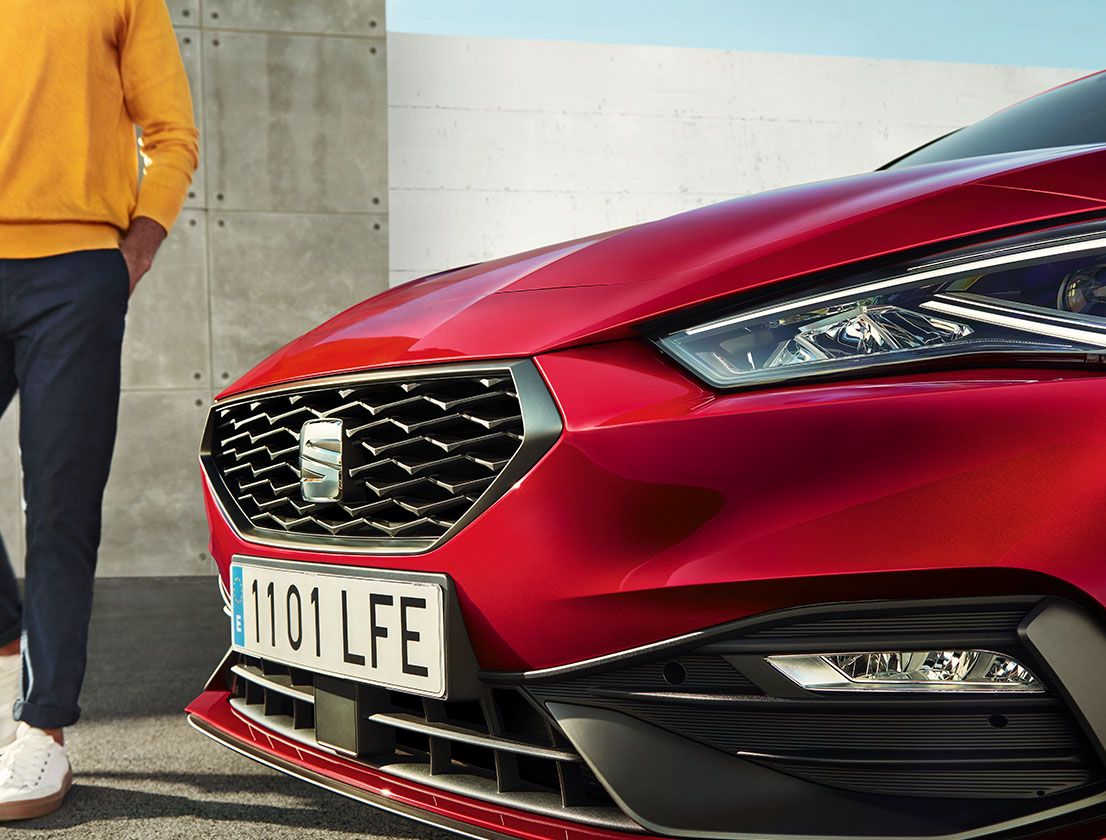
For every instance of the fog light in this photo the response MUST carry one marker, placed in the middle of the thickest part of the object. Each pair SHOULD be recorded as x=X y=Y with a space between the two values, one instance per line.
x=931 y=670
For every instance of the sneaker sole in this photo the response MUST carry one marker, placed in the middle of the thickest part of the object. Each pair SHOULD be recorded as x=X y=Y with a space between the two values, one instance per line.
x=28 y=809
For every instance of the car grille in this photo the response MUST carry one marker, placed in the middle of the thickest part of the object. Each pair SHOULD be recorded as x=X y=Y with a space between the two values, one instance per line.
x=499 y=749
x=419 y=452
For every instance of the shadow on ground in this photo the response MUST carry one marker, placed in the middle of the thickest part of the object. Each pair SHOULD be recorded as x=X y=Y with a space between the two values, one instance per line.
x=152 y=644
x=142 y=772
x=97 y=801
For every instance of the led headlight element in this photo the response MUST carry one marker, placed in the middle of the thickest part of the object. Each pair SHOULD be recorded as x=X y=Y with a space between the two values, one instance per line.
x=1047 y=300
x=893 y=671
x=1084 y=291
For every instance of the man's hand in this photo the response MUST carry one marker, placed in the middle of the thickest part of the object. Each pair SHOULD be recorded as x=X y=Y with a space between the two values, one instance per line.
x=140 y=245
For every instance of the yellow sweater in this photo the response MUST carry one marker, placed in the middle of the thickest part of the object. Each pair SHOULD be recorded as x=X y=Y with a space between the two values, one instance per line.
x=77 y=76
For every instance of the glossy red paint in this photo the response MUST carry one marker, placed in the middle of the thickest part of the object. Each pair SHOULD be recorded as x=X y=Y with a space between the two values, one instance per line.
x=665 y=508
x=596 y=289
x=212 y=708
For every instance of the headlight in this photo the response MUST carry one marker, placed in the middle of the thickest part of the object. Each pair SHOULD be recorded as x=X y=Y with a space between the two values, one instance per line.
x=1043 y=300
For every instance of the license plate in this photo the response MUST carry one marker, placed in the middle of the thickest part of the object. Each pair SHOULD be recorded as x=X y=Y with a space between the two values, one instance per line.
x=367 y=627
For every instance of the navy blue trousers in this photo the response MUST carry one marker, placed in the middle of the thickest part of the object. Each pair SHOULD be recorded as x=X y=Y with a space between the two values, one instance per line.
x=61 y=335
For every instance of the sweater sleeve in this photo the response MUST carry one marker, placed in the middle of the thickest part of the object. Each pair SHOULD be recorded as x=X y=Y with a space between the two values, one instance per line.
x=155 y=91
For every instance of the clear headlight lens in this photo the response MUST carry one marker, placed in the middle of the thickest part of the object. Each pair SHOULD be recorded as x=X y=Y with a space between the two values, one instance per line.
x=927 y=670
x=1045 y=300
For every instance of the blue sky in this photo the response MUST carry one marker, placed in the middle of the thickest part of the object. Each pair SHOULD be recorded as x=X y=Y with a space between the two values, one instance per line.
x=1042 y=33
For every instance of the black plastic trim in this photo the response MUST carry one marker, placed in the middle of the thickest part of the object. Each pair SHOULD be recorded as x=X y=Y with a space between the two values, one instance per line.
x=733 y=634
x=675 y=786
x=1070 y=645
x=978 y=804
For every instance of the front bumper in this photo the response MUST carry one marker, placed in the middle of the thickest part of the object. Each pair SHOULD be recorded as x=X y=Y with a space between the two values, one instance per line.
x=676 y=519
x=727 y=747
x=211 y=714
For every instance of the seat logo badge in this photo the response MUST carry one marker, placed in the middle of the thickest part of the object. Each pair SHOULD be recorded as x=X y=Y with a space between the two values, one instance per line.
x=321 y=460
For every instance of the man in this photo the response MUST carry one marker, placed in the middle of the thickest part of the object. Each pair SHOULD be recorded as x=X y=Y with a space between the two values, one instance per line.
x=76 y=235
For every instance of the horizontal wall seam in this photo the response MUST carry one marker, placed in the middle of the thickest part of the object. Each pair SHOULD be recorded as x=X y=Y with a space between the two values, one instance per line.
x=228 y=211
x=214 y=30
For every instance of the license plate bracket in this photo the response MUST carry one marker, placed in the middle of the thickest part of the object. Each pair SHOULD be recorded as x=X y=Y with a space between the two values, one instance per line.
x=342 y=710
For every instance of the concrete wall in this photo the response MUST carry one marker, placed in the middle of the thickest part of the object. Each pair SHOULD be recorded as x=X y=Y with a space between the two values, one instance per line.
x=286 y=225
x=498 y=145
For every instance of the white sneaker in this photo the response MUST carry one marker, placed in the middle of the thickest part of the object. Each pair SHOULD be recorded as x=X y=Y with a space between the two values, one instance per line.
x=11 y=668
x=34 y=775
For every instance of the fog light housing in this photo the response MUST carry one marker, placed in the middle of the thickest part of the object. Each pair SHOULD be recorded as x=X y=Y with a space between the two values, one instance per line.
x=894 y=671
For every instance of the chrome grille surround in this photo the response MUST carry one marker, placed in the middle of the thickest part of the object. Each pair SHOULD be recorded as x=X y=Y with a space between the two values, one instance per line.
x=432 y=448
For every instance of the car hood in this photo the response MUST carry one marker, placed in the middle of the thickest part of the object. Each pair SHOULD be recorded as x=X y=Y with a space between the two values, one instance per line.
x=598 y=288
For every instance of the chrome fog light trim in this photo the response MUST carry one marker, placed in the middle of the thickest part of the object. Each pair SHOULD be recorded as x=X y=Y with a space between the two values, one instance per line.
x=961 y=671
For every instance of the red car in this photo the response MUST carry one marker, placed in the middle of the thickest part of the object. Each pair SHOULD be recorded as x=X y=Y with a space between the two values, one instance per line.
x=784 y=517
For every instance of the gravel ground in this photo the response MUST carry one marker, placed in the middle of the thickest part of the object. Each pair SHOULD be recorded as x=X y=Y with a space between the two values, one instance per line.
x=142 y=772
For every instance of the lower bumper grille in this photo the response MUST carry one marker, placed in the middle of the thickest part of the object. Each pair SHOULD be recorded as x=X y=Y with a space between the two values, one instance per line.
x=499 y=749
x=1008 y=747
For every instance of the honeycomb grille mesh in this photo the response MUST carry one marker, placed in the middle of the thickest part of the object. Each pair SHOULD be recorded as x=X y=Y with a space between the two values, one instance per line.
x=417 y=454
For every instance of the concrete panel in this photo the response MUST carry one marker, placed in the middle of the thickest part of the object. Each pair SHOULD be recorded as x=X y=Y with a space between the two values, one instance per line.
x=785 y=152
x=11 y=488
x=295 y=123
x=185 y=12
x=882 y=91
x=153 y=521
x=919 y=91
x=435 y=71
x=274 y=276
x=446 y=149
x=167 y=342
x=191 y=43
x=432 y=231
x=404 y=275
x=338 y=17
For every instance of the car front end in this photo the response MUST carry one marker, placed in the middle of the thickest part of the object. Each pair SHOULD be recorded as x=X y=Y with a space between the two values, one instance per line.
x=781 y=518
